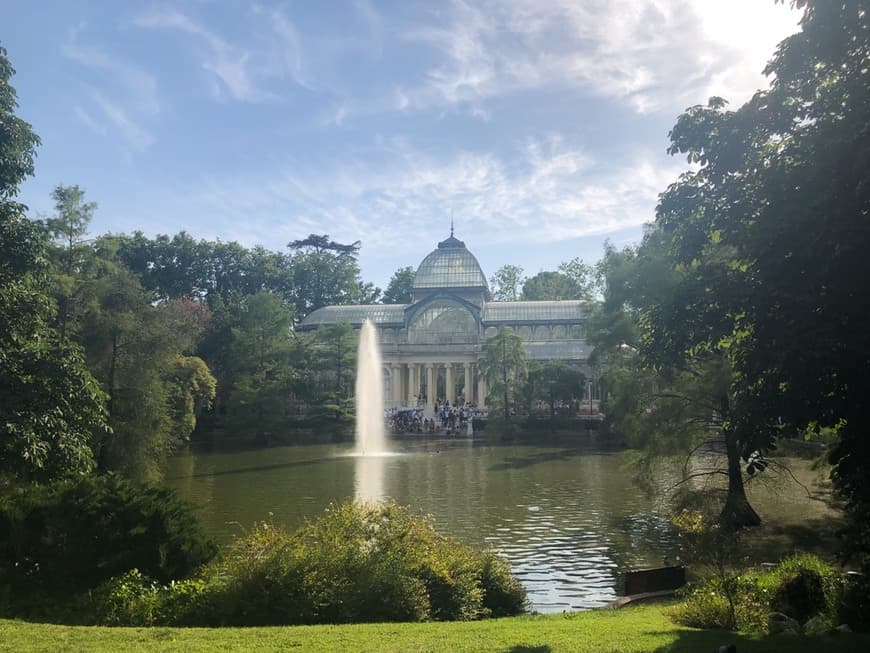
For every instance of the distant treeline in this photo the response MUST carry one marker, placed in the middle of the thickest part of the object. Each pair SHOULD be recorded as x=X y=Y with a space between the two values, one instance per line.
x=194 y=340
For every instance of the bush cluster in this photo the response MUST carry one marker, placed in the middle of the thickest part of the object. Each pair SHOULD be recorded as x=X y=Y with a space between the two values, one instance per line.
x=68 y=538
x=799 y=587
x=357 y=563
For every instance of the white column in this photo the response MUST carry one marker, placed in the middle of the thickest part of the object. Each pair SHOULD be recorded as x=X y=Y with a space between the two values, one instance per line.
x=418 y=381
x=449 y=385
x=430 y=386
x=395 y=388
x=468 y=390
x=412 y=394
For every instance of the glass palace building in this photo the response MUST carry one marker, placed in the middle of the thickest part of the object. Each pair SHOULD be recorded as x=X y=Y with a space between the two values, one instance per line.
x=435 y=342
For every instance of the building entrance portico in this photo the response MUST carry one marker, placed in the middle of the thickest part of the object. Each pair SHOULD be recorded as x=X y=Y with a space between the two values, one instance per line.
x=407 y=385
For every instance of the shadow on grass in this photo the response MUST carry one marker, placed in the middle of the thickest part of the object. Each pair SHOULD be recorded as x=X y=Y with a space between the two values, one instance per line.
x=819 y=536
x=522 y=648
x=709 y=641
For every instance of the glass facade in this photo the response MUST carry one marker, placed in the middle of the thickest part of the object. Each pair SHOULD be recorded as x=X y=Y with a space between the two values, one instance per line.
x=356 y=315
x=513 y=312
x=443 y=322
x=449 y=268
x=450 y=317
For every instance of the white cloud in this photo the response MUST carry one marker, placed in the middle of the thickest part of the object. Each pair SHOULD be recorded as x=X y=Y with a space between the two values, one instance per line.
x=652 y=54
x=139 y=85
x=135 y=135
x=134 y=93
x=244 y=72
x=89 y=121
x=542 y=192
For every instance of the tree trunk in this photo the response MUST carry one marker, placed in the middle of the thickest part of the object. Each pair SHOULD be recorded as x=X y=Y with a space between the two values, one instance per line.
x=737 y=512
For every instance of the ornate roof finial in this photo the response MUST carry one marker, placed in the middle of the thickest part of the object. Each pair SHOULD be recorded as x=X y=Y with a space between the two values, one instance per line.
x=451 y=242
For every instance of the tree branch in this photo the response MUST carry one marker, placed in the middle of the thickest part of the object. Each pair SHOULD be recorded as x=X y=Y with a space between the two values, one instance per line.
x=710 y=472
x=779 y=465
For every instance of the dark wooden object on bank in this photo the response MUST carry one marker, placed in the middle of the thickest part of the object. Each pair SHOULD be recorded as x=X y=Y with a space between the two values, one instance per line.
x=650 y=584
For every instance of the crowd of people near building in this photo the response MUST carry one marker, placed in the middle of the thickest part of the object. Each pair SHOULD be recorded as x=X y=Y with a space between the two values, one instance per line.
x=447 y=420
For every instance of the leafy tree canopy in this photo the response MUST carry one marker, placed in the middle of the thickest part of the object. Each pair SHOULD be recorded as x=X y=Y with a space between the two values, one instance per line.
x=399 y=289
x=768 y=237
x=506 y=283
x=51 y=406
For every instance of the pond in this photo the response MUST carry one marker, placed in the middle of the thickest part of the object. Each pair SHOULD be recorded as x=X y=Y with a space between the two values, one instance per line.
x=566 y=515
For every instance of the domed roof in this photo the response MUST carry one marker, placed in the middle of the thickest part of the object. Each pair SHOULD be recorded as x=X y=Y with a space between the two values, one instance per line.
x=449 y=266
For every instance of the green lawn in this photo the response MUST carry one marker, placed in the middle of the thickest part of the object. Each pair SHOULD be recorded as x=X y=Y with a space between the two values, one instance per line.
x=631 y=629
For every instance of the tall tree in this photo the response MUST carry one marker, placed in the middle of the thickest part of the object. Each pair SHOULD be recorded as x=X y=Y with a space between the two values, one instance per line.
x=68 y=228
x=399 y=289
x=504 y=365
x=332 y=366
x=665 y=399
x=582 y=274
x=326 y=272
x=506 y=282
x=260 y=372
x=770 y=232
x=51 y=406
x=141 y=354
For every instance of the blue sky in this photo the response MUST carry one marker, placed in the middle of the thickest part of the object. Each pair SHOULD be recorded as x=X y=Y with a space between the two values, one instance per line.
x=540 y=125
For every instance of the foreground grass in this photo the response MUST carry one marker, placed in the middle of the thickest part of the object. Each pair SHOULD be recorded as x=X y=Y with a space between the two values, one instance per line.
x=638 y=629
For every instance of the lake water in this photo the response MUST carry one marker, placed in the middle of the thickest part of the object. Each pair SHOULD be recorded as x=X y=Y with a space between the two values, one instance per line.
x=568 y=517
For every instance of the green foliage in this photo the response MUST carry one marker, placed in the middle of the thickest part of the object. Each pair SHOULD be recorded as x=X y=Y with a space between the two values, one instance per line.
x=768 y=233
x=554 y=384
x=711 y=545
x=800 y=587
x=66 y=538
x=259 y=372
x=330 y=371
x=506 y=283
x=573 y=280
x=399 y=289
x=504 y=365
x=139 y=353
x=51 y=407
x=18 y=143
x=800 y=596
x=130 y=599
x=503 y=595
x=357 y=563
x=326 y=272
x=68 y=228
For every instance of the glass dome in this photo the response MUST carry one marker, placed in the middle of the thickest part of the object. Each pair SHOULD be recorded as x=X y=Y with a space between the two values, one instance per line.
x=449 y=266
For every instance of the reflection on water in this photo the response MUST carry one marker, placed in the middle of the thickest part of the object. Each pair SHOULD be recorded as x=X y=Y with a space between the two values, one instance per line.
x=369 y=473
x=570 y=520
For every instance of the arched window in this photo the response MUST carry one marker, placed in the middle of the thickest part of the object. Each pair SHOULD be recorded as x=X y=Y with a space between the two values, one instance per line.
x=443 y=322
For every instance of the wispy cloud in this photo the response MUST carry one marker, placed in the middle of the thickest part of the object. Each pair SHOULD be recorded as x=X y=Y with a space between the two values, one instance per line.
x=137 y=137
x=242 y=72
x=648 y=53
x=140 y=85
x=88 y=120
x=543 y=191
x=134 y=92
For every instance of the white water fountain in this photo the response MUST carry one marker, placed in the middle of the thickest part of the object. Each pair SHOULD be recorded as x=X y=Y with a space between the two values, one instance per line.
x=370 y=439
